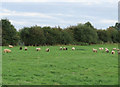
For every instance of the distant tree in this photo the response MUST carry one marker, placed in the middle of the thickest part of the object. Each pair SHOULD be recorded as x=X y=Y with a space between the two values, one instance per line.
x=9 y=33
x=102 y=36
x=36 y=35
x=88 y=24
x=32 y=36
x=85 y=33
x=113 y=34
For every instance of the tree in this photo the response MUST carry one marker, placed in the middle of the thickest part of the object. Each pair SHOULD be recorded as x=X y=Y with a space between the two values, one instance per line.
x=85 y=33
x=88 y=24
x=9 y=33
x=113 y=34
x=102 y=36
x=32 y=36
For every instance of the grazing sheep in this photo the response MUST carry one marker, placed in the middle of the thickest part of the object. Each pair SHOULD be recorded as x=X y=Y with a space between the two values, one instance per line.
x=119 y=52
x=95 y=50
x=64 y=48
x=101 y=48
x=38 y=49
x=47 y=50
x=10 y=46
x=118 y=49
x=26 y=48
x=114 y=48
x=60 y=48
x=107 y=50
x=113 y=52
x=73 y=48
x=7 y=51
x=20 y=48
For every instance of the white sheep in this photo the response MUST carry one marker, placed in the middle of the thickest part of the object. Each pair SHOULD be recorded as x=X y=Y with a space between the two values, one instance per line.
x=7 y=51
x=47 y=50
x=64 y=48
x=119 y=52
x=113 y=52
x=95 y=50
x=60 y=48
x=107 y=50
x=10 y=46
x=38 y=49
x=73 y=48
x=118 y=49
x=114 y=48
x=26 y=48
x=100 y=48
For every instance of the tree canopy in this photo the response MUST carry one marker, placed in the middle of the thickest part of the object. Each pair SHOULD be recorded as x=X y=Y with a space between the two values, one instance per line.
x=79 y=34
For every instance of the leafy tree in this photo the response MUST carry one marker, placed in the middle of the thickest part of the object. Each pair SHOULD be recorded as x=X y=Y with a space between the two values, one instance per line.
x=88 y=24
x=113 y=34
x=9 y=33
x=102 y=35
x=32 y=36
x=85 y=33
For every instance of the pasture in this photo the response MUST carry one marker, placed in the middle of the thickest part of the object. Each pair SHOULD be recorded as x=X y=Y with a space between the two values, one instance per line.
x=60 y=67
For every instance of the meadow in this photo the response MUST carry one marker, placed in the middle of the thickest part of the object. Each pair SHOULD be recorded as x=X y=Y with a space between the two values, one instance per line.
x=60 y=67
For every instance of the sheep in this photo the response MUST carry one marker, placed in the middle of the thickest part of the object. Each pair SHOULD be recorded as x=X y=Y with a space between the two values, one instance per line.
x=113 y=52
x=118 y=49
x=119 y=52
x=60 y=48
x=73 y=48
x=38 y=49
x=95 y=50
x=20 y=48
x=26 y=48
x=47 y=50
x=114 y=48
x=7 y=51
x=10 y=46
x=100 y=48
x=64 y=48
x=107 y=50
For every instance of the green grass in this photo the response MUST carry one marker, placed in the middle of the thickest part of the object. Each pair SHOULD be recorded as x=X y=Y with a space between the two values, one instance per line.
x=79 y=67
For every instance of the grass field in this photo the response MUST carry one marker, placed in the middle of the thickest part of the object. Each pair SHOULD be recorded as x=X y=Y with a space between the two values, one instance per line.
x=79 y=67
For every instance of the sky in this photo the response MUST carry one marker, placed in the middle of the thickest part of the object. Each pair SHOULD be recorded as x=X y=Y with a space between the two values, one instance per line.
x=63 y=13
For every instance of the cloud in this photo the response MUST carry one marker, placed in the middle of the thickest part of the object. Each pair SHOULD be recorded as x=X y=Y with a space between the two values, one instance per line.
x=82 y=2
x=97 y=1
x=20 y=22
x=6 y=12
x=108 y=21
x=59 y=14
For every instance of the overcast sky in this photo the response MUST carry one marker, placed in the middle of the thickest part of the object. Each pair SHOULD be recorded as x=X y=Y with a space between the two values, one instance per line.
x=26 y=13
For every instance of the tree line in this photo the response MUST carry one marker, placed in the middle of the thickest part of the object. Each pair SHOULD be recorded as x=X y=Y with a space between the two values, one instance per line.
x=81 y=34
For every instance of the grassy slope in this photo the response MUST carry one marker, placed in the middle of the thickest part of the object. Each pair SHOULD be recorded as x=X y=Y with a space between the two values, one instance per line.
x=79 y=67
